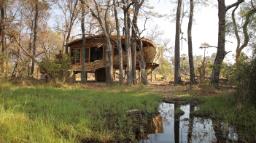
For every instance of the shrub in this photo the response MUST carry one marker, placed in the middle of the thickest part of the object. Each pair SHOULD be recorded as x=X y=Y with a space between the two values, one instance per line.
x=56 y=68
x=245 y=78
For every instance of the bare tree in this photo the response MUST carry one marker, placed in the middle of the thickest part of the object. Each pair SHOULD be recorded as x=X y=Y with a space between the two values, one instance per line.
x=127 y=27
x=83 y=70
x=102 y=16
x=119 y=45
x=70 y=11
x=136 y=35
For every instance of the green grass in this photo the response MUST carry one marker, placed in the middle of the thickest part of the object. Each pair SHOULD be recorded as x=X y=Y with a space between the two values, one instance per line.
x=49 y=115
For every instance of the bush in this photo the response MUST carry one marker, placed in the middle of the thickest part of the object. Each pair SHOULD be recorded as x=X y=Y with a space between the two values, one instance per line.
x=56 y=68
x=246 y=80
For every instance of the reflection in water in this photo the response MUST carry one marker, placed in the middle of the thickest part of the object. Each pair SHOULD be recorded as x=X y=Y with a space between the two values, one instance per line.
x=195 y=130
x=232 y=134
x=167 y=136
x=203 y=131
x=184 y=124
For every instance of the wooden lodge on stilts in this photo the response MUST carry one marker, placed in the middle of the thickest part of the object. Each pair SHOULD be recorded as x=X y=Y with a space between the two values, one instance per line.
x=95 y=52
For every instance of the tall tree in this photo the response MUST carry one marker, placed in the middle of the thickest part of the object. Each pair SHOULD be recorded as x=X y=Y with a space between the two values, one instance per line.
x=222 y=10
x=190 y=44
x=2 y=33
x=136 y=35
x=83 y=70
x=36 y=10
x=177 y=78
x=119 y=45
x=70 y=12
x=102 y=16
x=127 y=27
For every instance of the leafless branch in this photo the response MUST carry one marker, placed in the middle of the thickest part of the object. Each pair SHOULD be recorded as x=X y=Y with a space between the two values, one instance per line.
x=234 y=4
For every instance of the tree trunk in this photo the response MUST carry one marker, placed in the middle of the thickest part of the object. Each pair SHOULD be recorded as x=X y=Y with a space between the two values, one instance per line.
x=190 y=45
x=127 y=44
x=119 y=46
x=177 y=78
x=83 y=70
x=221 y=44
x=2 y=30
x=134 y=54
x=108 y=49
x=34 y=39
x=248 y=15
x=143 y=72
x=222 y=9
x=109 y=60
x=236 y=33
x=2 y=27
x=134 y=41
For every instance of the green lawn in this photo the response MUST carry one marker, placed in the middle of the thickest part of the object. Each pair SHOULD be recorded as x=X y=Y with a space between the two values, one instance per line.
x=69 y=114
x=49 y=115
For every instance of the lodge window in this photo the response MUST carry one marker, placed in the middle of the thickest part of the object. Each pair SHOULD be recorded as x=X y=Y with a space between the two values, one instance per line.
x=96 y=53
x=75 y=56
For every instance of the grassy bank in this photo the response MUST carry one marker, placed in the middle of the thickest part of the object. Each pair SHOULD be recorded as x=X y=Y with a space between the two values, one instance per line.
x=225 y=108
x=46 y=114
x=222 y=105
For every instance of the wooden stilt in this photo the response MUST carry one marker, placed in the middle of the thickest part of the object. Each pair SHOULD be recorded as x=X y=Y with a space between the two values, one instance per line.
x=151 y=74
x=139 y=76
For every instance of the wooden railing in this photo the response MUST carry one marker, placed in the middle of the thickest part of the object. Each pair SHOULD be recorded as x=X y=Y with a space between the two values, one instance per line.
x=91 y=66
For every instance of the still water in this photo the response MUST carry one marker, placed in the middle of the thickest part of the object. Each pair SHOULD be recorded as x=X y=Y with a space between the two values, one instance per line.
x=186 y=129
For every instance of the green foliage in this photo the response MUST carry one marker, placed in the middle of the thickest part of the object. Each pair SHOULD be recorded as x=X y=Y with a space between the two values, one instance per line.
x=56 y=68
x=226 y=70
x=245 y=78
x=50 y=115
x=165 y=69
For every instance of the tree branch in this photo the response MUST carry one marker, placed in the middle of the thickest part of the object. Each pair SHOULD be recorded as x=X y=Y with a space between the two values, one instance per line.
x=234 y=4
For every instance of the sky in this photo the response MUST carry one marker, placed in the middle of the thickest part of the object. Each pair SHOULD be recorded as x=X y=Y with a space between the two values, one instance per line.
x=205 y=28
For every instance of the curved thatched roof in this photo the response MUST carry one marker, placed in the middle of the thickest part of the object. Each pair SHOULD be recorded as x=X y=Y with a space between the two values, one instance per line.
x=95 y=40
